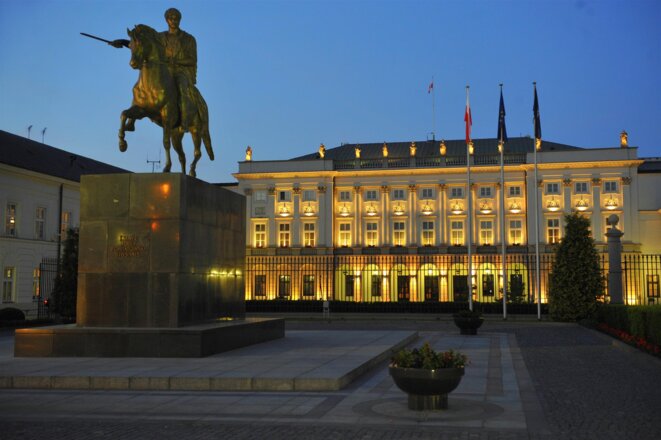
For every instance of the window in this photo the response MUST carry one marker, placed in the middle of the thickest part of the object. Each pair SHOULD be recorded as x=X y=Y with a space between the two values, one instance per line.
x=8 y=284
x=515 y=232
x=427 y=193
x=65 y=224
x=581 y=188
x=284 y=286
x=260 y=285
x=653 y=286
x=552 y=188
x=345 y=196
x=371 y=195
x=399 y=234
x=308 y=234
x=485 y=191
x=259 y=196
x=39 y=223
x=610 y=186
x=456 y=193
x=345 y=234
x=372 y=233
x=427 y=233
x=398 y=194
x=349 y=281
x=553 y=231
x=10 y=220
x=376 y=286
x=260 y=235
x=308 y=285
x=35 y=284
x=486 y=232
x=457 y=233
x=284 y=196
x=283 y=235
x=309 y=195
x=515 y=191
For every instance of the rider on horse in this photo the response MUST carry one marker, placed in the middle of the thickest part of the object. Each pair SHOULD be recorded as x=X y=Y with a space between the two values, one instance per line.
x=181 y=54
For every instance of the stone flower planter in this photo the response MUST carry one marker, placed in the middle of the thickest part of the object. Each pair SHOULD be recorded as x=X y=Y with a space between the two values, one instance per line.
x=427 y=389
x=468 y=322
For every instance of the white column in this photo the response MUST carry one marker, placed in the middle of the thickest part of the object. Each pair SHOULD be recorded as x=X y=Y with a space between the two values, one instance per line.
x=413 y=217
x=385 y=216
x=270 y=206
x=358 y=217
x=324 y=215
x=296 y=223
x=440 y=215
x=628 y=205
x=597 y=232
x=566 y=183
x=249 y=225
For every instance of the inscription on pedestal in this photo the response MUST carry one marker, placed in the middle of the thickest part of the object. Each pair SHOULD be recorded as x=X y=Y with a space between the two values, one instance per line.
x=129 y=246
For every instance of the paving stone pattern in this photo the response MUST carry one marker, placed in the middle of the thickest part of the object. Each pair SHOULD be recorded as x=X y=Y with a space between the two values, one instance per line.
x=530 y=380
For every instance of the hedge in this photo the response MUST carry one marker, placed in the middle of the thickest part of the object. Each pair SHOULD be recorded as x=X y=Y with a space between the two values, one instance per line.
x=639 y=321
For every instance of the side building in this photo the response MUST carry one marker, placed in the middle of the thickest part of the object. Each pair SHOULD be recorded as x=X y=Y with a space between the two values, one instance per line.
x=390 y=222
x=40 y=201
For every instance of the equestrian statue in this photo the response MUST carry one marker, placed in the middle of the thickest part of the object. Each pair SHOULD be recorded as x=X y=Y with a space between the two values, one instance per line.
x=165 y=91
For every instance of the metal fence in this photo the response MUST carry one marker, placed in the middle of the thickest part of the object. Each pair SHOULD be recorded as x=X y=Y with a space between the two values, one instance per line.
x=47 y=275
x=428 y=278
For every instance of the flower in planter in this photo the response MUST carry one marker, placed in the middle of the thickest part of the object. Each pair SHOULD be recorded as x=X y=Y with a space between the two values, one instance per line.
x=428 y=359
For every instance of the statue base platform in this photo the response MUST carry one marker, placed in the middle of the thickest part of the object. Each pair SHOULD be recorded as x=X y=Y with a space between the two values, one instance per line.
x=182 y=342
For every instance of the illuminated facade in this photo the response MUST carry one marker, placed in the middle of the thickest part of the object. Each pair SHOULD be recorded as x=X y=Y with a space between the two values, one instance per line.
x=389 y=222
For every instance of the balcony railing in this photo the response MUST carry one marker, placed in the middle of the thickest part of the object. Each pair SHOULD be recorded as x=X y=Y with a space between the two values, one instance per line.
x=428 y=162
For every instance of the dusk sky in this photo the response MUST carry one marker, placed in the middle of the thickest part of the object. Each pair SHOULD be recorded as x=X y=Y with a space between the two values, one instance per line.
x=285 y=76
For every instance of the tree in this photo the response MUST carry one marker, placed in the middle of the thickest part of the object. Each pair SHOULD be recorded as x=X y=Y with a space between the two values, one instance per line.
x=575 y=280
x=66 y=283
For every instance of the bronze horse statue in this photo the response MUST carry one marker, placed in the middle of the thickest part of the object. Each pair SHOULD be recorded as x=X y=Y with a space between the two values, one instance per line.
x=155 y=96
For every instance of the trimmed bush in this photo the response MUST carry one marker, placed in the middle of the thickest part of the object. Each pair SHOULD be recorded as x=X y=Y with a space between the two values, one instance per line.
x=11 y=314
x=640 y=321
x=575 y=280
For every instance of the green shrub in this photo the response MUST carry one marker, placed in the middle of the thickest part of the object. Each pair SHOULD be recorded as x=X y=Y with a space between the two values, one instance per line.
x=11 y=314
x=428 y=359
x=639 y=321
x=66 y=284
x=575 y=280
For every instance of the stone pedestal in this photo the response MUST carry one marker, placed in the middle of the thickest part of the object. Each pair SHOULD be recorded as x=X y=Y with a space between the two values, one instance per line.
x=160 y=272
x=159 y=250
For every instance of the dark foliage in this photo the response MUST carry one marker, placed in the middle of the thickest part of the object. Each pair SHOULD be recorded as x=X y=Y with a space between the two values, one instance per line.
x=575 y=279
x=66 y=283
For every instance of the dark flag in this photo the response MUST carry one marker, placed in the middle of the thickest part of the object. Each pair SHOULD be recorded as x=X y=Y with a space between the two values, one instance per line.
x=535 y=111
x=502 y=130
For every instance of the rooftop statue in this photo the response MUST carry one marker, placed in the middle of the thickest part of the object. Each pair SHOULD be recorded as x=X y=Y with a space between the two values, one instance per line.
x=166 y=91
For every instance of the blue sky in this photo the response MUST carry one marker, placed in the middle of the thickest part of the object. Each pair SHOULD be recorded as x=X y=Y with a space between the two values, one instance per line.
x=285 y=76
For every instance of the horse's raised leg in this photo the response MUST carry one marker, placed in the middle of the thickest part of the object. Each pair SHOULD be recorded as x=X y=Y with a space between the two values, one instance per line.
x=127 y=123
x=122 y=123
x=197 y=153
x=166 y=146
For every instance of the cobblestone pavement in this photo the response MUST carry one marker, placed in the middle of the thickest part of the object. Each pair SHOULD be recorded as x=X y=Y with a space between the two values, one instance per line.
x=585 y=386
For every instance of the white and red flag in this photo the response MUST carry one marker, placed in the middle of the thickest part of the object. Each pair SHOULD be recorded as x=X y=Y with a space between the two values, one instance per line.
x=468 y=119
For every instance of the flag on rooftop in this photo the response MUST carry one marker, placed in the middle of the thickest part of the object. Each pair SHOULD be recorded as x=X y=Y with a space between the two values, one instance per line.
x=431 y=86
x=468 y=119
x=535 y=111
x=502 y=130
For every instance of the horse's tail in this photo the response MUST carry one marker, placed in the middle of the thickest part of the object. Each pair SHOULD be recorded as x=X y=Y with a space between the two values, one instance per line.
x=203 y=113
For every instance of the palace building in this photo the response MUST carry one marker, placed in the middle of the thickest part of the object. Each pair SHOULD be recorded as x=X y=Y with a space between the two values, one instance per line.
x=389 y=221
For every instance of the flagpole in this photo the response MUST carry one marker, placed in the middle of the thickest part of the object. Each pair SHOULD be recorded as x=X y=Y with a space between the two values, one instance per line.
x=501 y=147
x=537 y=262
x=469 y=279
x=433 y=109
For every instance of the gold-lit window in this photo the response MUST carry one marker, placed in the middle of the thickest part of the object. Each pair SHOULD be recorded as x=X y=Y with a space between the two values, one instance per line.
x=399 y=234
x=65 y=224
x=457 y=233
x=284 y=236
x=8 y=284
x=345 y=234
x=427 y=233
x=553 y=231
x=371 y=232
x=10 y=220
x=515 y=232
x=308 y=235
x=260 y=235
x=486 y=232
